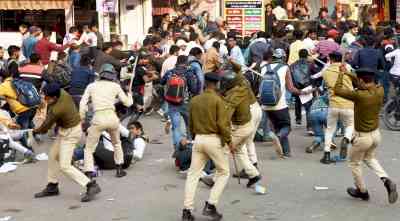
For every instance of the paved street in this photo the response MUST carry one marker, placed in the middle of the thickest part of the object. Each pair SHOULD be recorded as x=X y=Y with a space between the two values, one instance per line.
x=153 y=190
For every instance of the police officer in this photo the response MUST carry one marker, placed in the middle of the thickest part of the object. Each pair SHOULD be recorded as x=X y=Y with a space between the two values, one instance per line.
x=211 y=130
x=368 y=100
x=63 y=112
x=237 y=98
x=102 y=95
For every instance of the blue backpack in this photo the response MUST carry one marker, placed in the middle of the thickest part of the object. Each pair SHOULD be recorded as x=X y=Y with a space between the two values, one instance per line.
x=270 y=88
x=27 y=94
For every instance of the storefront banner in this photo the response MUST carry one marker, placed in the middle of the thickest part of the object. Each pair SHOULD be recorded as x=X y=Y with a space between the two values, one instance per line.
x=246 y=17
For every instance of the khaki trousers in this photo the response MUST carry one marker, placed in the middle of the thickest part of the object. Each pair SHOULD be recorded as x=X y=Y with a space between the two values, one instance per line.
x=256 y=116
x=242 y=134
x=364 y=150
x=108 y=121
x=207 y=147
x=60 y=156
x=346 y=116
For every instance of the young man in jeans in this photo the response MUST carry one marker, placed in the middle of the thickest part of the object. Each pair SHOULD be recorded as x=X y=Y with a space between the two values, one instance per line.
x=279 y=113
x=176 y=111
x=368 y=100
x=340 y=109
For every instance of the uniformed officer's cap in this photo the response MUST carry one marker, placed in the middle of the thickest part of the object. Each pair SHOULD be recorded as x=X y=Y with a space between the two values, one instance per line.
x=365 y=72
x=212 y=76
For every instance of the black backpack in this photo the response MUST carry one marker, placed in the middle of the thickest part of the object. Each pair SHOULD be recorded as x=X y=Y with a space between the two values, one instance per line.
x=105 y=158
x=300 y=71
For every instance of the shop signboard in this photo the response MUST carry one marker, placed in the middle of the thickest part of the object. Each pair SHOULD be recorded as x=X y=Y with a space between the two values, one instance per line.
x=246 y=17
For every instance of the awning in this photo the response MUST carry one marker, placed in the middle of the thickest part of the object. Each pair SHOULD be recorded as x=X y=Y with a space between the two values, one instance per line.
x=34 y=4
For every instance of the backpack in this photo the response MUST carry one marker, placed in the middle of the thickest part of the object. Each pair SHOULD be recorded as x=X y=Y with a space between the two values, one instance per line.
x=175 y=88
x=254 y=79
x=300 y=74
x=104 y=157
x=60 y=74
x=193 y=81
x=27 y=94
x=270 y=88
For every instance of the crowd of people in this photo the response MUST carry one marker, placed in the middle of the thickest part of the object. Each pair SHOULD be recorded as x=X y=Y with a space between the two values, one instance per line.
x=226 y=90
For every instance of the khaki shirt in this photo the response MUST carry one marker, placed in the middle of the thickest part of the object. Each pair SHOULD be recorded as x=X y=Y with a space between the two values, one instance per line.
x=211 y=60
x=238 y=102
x=207 y=115
x=103 y=95
x=330 y=76
x=63 y=113
x=367 y=105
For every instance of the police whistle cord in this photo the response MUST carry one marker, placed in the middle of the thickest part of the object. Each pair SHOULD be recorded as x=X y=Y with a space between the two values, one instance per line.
x=236 y=167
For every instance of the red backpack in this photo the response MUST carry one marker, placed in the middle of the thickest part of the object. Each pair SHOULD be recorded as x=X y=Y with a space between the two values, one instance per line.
x=175 y=89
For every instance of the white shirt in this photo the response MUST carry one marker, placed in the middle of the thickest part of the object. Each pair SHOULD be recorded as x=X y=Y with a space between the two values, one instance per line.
x=282 y=77
x=237 y=55
x=309 y=44
x=91 y=39
x=395 y=70
x=280 y=13
x=223 y=50
x=168 y=64
x=192 y=45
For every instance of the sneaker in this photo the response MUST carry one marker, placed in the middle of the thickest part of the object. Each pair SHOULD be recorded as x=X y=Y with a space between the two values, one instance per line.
x=160 y=112
x=392 y=190
x=92 y=190
x=310 y=132
x=187 y=215
x=29 y=157
x=253 y=181
x=183 y=171
x=211 y=211
x=50 y=190
x=149 y=112
x=356 y=193
x=312 y=147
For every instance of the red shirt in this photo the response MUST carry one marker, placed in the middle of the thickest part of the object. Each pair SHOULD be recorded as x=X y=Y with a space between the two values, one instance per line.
x=44 y=48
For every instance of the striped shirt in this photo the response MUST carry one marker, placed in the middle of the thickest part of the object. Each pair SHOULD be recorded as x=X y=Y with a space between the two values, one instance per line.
x=325 y=47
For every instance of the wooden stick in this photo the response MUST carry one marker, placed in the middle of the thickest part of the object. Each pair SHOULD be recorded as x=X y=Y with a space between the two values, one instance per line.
x=133 y=73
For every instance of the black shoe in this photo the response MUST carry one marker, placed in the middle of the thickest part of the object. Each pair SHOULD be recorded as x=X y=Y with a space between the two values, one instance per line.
x=50 y=190
x=392 y=190
x=211 y=211
x=242 y=175
x=207 y=181
x=298 y=122
x=120 y=172
x=187 y=215
x=327 y=158
x=311 y=148
x=255 y=165
x=253 y=181
x=343 y=148
x=356 y=193
x=89 y=174
x=92 y=189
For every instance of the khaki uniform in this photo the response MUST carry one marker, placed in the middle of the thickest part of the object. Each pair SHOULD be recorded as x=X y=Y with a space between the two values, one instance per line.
x=256 y=117
x=211 y=128
x=65 y=114
x=367 y=105
x=102 y=94
x=242 y=127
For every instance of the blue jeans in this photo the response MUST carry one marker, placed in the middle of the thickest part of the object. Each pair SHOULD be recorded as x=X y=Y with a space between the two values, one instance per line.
x=25 y=120
x=318 y=120
x=265 y=125
x=175 y=113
